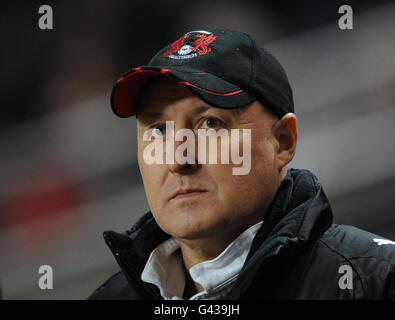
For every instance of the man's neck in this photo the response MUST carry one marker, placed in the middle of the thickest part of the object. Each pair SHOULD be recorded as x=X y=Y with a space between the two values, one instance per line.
x=199 y=250
x=195 y=251
x=192 y=255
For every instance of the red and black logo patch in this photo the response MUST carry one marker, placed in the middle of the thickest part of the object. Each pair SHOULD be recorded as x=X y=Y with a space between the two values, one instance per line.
x=190 y=45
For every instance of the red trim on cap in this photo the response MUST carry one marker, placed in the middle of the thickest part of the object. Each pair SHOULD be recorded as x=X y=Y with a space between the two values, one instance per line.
x=208 y=91
x=137 y=70
x=124 y=99
x=161 y=71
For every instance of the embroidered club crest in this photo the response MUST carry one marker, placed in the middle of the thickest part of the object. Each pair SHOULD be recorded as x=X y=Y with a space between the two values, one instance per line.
x=198 y=45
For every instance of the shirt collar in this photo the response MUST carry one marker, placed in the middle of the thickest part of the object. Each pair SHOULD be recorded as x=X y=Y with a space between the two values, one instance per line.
x=165 y=267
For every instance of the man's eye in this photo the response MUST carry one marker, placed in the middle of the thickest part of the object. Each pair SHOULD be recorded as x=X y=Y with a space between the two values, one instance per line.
x=211 y=123
x=158 y=130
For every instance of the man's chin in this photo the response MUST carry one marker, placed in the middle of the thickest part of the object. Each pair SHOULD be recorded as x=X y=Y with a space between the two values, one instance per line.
x=192 y=227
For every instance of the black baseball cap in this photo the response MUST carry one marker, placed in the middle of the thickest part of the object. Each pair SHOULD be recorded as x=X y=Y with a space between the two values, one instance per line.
x=226 y=69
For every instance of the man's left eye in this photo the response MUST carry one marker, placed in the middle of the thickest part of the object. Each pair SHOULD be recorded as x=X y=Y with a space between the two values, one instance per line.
x=211 y=123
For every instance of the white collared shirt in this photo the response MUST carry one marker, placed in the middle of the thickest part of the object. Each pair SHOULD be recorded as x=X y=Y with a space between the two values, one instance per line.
x=165 y=267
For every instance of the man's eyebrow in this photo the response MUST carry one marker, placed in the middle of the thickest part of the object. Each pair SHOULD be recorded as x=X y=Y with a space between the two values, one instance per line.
x=151 y=115
x=201 y=109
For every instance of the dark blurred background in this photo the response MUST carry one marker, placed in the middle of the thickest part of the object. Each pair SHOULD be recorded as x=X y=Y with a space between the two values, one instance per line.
x=68 y=165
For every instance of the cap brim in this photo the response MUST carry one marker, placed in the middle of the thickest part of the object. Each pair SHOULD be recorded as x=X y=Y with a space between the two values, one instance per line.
x=210 y=88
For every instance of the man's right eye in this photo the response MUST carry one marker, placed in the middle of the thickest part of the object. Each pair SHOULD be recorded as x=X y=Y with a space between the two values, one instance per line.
x=158 y=130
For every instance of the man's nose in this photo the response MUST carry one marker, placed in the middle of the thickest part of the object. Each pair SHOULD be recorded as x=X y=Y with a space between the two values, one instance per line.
x=184 y=161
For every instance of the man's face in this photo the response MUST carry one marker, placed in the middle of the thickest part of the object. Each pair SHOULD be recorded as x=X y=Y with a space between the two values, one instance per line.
x=211 y=199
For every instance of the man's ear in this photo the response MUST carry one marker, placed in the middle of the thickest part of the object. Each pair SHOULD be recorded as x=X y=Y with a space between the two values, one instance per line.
x=285 y=131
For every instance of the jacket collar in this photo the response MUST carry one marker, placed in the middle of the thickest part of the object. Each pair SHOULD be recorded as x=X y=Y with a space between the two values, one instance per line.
x=298 y=215
x=165 y=267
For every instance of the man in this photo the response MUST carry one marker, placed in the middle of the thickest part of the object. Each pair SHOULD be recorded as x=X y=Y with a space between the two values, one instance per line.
x=265 y=232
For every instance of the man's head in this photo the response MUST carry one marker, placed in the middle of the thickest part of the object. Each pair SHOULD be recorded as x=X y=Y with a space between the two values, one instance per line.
x=226 y=69
x=218 y=201
x=223 y=81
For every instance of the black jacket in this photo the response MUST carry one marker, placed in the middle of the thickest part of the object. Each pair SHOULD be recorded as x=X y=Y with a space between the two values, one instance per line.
x=298 y=253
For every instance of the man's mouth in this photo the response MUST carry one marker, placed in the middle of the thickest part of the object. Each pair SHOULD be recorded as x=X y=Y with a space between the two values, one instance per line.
x=187 y=193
